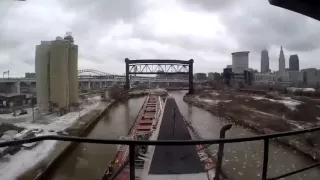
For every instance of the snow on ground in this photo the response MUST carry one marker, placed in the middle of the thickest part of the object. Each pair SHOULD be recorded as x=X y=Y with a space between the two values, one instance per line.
x=25 y=159
x=291 y=104
x=58 y=123
x=212 y=101
x=215 y=93
x=299 y=125
x=293 y=89
x=9 y=118
x=309 y=90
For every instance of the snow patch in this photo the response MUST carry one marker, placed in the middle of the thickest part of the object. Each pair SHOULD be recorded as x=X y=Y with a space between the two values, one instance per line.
x=293 y=89
x=291 y=104
x=9 y=118
x=296 y=124
x=26 y=159
x=212 y=101
x=58 y=123
x=207 y=100
x=215 y=93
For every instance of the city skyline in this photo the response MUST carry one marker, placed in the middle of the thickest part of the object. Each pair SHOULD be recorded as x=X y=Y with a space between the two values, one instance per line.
x=204 y=32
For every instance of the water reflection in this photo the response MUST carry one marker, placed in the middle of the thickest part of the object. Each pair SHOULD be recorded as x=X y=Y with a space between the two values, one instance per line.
x=127 y=114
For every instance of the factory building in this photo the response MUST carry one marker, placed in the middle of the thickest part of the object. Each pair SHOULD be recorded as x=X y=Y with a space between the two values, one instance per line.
x=57 y=74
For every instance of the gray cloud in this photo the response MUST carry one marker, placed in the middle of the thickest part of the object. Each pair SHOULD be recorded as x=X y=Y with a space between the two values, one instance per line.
x=257 y=25
x=108 y=31
x=187 y=42
x=209 y=5
x=106 y=10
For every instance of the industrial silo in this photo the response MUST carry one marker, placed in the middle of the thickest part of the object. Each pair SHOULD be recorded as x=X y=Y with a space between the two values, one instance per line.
x=59 y=77
x=42 y=75
x=73 y=74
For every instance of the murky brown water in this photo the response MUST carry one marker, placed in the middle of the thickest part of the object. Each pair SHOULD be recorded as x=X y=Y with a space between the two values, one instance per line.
x=89 y=161
x=241 y=160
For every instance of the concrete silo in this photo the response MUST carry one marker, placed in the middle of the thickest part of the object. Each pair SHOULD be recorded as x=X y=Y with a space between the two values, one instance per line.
x=57 y=74
x=59 y=81
x=73 y=74
x=42 y=75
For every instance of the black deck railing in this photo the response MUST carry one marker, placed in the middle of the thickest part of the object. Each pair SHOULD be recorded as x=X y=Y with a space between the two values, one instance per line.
x=221 y=142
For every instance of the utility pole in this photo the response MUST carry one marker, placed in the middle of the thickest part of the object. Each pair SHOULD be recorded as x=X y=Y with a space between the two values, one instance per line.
x=32 y=109
x=6 y=72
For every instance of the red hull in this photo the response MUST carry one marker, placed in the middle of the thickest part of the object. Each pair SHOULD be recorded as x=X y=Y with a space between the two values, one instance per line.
x=144 y=123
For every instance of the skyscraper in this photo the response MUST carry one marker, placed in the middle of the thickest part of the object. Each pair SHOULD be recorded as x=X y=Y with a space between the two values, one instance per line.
x=240 y=61
x=282 y=63
x=294 y=63
x=264 y=61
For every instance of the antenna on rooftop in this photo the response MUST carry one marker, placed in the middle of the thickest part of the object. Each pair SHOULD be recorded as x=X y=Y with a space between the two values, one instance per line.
x=69 y=37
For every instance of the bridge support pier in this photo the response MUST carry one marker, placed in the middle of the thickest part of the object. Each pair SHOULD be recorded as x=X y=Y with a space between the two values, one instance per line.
x=127 y=85
x=17 y=87
x=89 y=85
x=191 y=88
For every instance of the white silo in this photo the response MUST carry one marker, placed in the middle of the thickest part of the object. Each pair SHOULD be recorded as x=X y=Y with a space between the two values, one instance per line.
x=42 y=75
x=59 y=81
x=73 y=74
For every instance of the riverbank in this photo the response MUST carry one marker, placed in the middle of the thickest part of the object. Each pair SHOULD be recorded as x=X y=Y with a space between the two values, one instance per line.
x=257 y=121
x=58 y=150
x=81 y=127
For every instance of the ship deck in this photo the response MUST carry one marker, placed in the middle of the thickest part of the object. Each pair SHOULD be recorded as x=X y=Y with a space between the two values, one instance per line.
x=174 y=162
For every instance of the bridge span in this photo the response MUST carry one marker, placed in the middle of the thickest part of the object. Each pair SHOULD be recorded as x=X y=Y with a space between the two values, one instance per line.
x=28 y=85
x=21 y=85
x=97 y=81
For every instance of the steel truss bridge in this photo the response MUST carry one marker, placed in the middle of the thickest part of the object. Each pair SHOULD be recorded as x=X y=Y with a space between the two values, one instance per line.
x=99 y=76
x=100 y=73
x=159 y=66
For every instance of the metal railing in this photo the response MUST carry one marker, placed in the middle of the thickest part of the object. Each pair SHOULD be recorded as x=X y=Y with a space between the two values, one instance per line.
x=133 y=143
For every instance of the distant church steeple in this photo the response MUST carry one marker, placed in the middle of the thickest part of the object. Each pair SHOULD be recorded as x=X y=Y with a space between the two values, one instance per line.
x=282 y=62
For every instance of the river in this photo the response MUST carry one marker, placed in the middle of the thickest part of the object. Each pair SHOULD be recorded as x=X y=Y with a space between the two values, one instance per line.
x=241 y=160
x=89 y=161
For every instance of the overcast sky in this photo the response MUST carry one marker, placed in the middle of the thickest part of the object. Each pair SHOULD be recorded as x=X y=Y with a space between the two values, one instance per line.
x=107 y=31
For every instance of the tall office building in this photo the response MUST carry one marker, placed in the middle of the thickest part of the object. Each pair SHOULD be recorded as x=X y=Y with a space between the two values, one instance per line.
x=240 y=61
x=294 y=63
x=282 y=63
x=56 y=67
x=264 y=61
